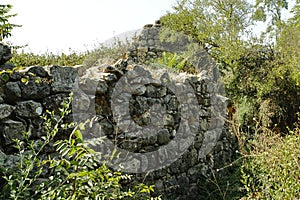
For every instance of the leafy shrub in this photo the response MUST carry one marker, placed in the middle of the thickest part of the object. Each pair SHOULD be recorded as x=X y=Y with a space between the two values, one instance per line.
x=75 y=171
x=272 y=168
x=264 y=84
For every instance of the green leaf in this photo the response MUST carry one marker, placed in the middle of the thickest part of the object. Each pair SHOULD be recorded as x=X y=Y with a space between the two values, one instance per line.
x=81 y=126
x=5 y=77
x=24 y=80
x=78 y=134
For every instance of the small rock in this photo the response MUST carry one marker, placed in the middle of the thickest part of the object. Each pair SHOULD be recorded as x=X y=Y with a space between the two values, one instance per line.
x=13 y=92
x=169 y=120
x=39 y=71
x=140 y=90
x=63 y=78
x=163 y=136
x=148 y=26
x=28 y=109
x=5 y=110
x=151 y=91
x=34 y=89
x=11 y=130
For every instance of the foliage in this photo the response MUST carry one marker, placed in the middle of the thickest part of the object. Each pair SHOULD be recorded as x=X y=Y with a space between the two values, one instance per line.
x=174 y=62
x=289 y=46
x=23 y=59
x=271 y=170
x=262 y=76
x=5 y=26
x=75 y=171
x=270 y=12
x=215 y=25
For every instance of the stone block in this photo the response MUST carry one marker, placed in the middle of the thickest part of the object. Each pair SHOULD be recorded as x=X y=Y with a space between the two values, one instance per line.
x=29 y=109
x=11 y=130
x=5 y=110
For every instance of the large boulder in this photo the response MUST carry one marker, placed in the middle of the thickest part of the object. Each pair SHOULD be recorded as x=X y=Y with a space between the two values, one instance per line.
x=5 y=53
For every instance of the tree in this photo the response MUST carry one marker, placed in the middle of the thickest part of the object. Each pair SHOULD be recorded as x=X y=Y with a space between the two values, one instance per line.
x=5 y=26
x=217 y=25
x=288 y=44
x=270 y=12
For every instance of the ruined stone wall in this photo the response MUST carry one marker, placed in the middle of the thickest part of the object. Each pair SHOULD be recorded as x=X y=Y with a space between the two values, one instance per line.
x=169 y=128
x=22 y=103
x=147 y=45
x=155 y=39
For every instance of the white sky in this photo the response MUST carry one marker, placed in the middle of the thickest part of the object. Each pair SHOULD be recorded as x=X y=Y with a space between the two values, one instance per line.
x=60 y=25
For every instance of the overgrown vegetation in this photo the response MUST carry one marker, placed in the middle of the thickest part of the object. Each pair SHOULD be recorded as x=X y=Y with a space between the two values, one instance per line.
x=75 y=171
x=175 y=62
x=272 y=168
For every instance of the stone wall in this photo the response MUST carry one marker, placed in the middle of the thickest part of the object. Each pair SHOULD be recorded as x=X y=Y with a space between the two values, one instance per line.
x=168 y=127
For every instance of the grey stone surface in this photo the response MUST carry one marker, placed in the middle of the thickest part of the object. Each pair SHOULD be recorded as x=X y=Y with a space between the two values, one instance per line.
x=63 y=78
x=12 y=92
x=93 y=85
x=29 y=109
x=82 y=102
x=11 y=130
x=163 y=137
x=5 y=110
x=35 y=89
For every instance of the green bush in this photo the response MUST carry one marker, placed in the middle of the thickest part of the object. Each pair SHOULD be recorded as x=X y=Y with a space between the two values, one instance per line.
x=75 y=171
x=272 y=168
x=263 y=83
